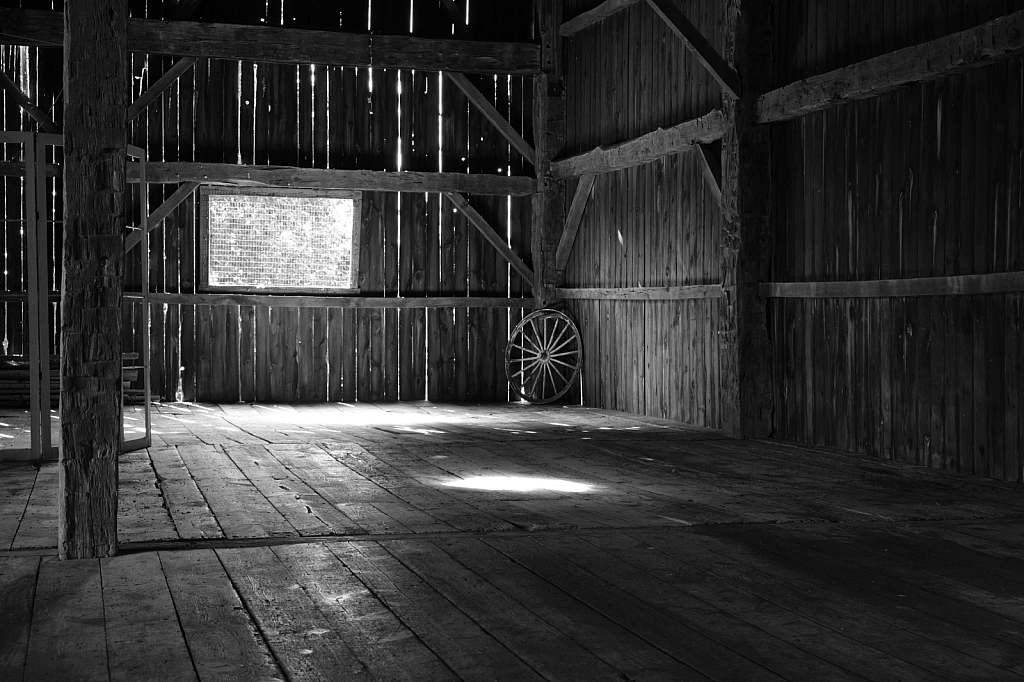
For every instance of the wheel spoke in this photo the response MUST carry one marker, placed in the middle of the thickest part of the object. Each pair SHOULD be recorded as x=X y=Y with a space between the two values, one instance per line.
x=526 y=368
x=563 y=345
x=554 y=341
x=525 y=350
x=547 y=372
x=535 y=339
x=537 y=377
x=554 y=368
x=530 y=339
x=543 y=356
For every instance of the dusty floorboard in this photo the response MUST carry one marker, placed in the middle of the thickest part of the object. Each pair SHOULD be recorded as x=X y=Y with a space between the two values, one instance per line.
x=329 y=543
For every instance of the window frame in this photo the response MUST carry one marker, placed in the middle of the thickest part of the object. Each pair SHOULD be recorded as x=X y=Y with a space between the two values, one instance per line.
x=205 y=191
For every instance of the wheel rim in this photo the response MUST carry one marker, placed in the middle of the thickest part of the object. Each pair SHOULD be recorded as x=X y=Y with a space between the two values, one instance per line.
x=543 y=356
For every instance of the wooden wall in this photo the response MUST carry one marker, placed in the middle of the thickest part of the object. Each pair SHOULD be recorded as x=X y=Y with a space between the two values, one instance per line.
x=654 y=225
x=922 y=182
x=411 y=243
x=40 y=73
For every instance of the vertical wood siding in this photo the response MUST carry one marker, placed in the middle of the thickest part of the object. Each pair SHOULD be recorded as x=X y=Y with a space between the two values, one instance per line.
x=324 y=117
x=654 y=225
x=922 y=182
x=412 y=244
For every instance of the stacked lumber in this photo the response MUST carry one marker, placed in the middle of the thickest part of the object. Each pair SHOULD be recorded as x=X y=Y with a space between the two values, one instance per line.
x=14 y=384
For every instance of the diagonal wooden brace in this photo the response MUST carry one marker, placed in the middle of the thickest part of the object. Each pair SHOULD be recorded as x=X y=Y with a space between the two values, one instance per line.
x=490 y=235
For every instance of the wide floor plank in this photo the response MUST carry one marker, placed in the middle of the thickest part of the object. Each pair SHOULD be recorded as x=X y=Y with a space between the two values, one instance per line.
x=302 y=640
x=17 y=595
x=427 y=542
x=143 y=637
x=67 y=640
x=222 y=639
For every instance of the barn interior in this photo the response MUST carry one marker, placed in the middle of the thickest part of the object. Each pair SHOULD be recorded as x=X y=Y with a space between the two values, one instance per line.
x=534 y=340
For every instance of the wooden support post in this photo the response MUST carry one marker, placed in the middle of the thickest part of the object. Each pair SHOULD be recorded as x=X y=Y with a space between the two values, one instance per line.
x=745 y=367
x=549 y=138
x=96 y=95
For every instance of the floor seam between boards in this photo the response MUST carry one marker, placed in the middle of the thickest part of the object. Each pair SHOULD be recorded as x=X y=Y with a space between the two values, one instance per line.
x=277 y=541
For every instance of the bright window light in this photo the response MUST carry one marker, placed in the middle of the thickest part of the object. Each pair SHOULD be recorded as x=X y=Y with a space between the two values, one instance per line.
x=279 y=240
x=520 y=484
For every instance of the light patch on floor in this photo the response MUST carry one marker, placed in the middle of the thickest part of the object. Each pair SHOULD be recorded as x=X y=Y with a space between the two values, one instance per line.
x=520 y=484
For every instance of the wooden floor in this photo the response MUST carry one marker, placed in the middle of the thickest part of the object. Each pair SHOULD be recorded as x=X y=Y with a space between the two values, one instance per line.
x=436 y=542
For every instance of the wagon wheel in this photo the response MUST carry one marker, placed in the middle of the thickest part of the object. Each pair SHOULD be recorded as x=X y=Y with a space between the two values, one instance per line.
x=543 y=356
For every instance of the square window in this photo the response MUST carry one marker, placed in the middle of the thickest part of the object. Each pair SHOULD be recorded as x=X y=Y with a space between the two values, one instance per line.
x=279 y=240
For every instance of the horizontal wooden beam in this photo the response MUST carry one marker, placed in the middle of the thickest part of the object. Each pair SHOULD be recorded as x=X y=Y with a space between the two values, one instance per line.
x=644 y=149
x=23 y=296
x=329 y=178
x=488 y=232
x=573 y=220
x=485 y=107
x=684 y=293
x=960 y=285
x=17 y=169
x=974 y=48
x=290 y=45
x=22 y=100
x=594 y=16
x=156 y=89
x=338 y=301
x=161 y=213
x=701 y=48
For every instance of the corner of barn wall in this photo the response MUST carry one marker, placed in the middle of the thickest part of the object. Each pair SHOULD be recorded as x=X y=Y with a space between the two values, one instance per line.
x=652 y=225
x=921 y=182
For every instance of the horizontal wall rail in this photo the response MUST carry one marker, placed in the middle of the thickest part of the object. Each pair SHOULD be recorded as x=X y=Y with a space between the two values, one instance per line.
x=962 y=285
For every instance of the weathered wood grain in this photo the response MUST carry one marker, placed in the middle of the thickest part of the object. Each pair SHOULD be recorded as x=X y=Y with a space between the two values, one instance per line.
x=293 y=46
x=488 y=232
x=301 y=639
x=593 y=16
x=17 y=597
x=486 y=107
x=644 y=149
x=159 y=86
x=323 y=178
x=957 y=285
x=697 y=291
x=67 y=640
x=95 y=140
x=573 y=220
x=158 y=216
x=720 y=69
x=143 y=637
x=216 y=626
x=25 y=103
x=977 y=47
x=343 y=302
